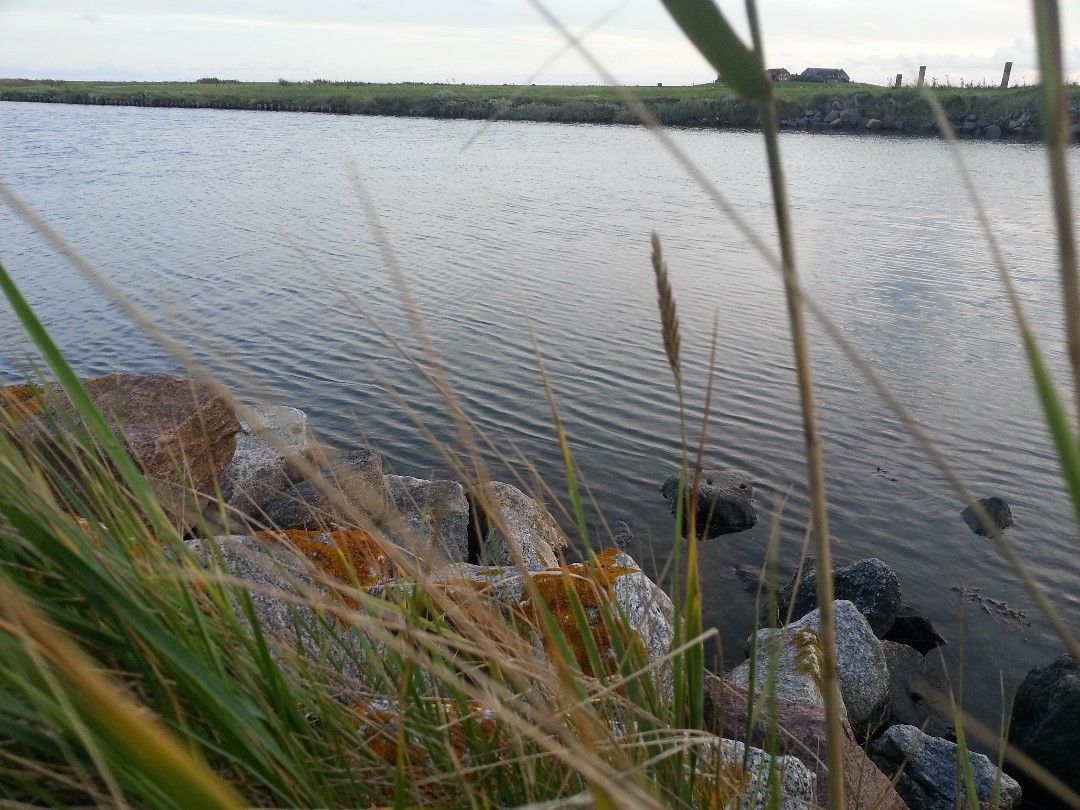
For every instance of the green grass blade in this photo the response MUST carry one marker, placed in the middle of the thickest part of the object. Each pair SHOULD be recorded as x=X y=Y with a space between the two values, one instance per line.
x=705 y=25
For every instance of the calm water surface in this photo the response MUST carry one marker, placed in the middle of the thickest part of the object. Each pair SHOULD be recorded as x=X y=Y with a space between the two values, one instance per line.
x=241 y=232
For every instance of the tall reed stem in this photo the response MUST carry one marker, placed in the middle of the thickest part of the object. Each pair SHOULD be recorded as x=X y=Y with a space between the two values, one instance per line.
x=815 y=468
x=1055 y=126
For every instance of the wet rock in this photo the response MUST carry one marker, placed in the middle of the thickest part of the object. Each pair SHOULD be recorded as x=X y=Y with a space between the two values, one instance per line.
x=869 y=584
x=930 y=776
x=725 y=501
x=502 y=507
x=263 y=463
x=916 y=690
x=801 y=734
x=354 y=477
x=864 y=675
x=429 y=517
x=996 y=508
x=1046 y=721
x=914 y=630
x=874 y=124
x=993 y=132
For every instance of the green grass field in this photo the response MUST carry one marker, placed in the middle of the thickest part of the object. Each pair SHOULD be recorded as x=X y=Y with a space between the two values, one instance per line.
x=703 y=105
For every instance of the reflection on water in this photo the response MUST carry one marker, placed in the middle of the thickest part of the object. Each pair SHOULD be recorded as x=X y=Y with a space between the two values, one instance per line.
x=239 y=231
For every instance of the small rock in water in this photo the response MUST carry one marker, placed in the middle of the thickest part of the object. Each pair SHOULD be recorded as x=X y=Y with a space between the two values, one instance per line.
x=996 y=508
x=725 y=501
x=869 y=584
x=621 y=536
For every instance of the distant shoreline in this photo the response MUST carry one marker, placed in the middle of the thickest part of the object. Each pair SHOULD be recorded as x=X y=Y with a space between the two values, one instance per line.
x=977 y=112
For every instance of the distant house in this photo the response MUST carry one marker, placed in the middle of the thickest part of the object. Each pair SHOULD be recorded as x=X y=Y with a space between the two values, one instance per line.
x=823 y=75
x=778 y=74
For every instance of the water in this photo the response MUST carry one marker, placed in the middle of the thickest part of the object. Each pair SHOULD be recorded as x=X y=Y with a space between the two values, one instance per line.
x=242 y=233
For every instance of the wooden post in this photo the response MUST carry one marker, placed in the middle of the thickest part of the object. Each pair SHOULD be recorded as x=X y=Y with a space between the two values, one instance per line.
x=922 y=75
x=899 y=80
x=1005 y=75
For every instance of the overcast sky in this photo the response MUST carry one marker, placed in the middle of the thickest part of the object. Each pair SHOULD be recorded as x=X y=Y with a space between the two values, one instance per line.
x=498 y=41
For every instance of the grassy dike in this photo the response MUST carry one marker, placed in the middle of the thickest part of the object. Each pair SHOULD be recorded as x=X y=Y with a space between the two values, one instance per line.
x=859 y=107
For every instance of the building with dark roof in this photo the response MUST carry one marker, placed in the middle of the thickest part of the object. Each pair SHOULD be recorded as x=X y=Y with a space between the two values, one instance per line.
x=823 y=75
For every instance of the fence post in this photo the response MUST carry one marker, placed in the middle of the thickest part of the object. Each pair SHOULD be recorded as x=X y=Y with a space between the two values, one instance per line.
x=922 y=75
x=899 y=80
x=1005 y=75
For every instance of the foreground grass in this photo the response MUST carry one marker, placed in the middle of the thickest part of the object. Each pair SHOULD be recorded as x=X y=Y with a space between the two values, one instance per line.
x=705 y=105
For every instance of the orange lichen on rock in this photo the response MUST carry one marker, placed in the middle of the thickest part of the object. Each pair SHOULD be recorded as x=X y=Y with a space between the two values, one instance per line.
x=379 y=725
x=350 y=555
x=592 y=581
x=19 y=401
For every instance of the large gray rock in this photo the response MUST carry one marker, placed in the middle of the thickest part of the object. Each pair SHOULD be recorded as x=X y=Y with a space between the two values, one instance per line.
x=864 y=675
x=725 y=501
x=263 y=464
x=869 y=584
x=797 y=730
x=354 y=478
x=730 y=764
x=930 y=775
x=429 y=518
x=613 y=579
x=282 y=587
x=508 y=518
x=917 y=691
x=1046 y=720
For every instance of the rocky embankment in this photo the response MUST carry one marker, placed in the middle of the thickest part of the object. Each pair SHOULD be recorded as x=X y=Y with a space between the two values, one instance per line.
x=974 y=113
x=292 y=530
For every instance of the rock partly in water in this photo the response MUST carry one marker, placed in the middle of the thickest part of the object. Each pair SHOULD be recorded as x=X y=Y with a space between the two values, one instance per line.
x=1046 y=722
x=800 y=733
x=621 y=535
x=930 y=776
x=869 y=584
x=429 y=517
x=864 y=675
x=917 y=691
x=725 y=501
x=914 y=630
x=998 y=511
x=262 y=465
x=355 y=478
x=509 y=522
x=181 y=433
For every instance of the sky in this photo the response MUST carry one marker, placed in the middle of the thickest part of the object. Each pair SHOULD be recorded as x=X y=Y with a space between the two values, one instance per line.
x=505 y=41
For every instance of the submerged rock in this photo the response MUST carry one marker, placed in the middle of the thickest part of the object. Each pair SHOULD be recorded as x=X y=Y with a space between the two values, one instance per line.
x=869 y=584
x=929 y=771
x=1046 y=721
x=507 y=518
x=800 y=733
x=725 y=501
x=996 y=508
